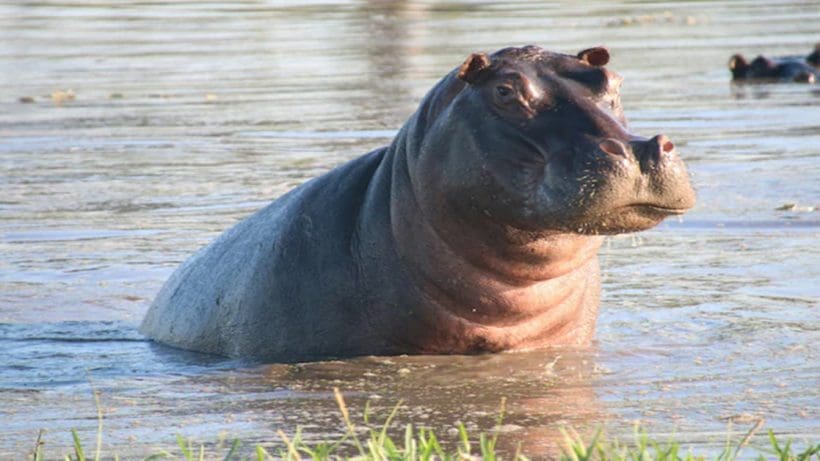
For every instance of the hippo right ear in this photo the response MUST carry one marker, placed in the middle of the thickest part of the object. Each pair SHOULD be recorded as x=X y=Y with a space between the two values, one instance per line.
x=598 y=56
x=814 y=57
x=762 y=63
x=474 y=68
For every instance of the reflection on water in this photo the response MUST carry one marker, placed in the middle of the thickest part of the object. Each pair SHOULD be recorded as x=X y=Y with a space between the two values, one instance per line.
x=189 y=116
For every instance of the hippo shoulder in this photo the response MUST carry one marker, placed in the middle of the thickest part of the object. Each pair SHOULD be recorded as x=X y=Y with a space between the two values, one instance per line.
x=266 y=270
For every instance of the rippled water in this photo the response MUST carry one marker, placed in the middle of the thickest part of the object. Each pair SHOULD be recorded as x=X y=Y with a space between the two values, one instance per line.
x=190 y=115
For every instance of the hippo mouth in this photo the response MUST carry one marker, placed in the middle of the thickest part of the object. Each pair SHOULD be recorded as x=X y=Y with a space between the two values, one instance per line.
x=658 y=209
x=631 y=218
x=641 y=216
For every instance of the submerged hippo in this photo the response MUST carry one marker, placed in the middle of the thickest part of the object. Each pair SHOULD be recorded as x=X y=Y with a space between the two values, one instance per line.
x=476 y=229
x=802 y=69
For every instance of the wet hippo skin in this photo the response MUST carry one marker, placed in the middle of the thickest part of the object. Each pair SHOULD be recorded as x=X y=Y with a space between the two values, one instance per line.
x=475 y=230
x=801 y=69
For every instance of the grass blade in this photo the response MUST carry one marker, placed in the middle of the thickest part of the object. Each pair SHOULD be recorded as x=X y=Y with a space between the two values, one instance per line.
x=745 y=440
x=234 y=447
x=293 y=453
x=78 y=446
x=38 y=446
x=383 y=433
x=185 y=447
x=98 y=450
x=351 y=428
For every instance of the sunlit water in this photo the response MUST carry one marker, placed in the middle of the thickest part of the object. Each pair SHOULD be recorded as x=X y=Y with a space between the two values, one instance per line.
x=189 y=116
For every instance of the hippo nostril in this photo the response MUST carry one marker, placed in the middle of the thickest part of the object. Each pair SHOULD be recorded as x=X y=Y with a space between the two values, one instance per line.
x=654 y=152
x=663 y=143
x=614 y=147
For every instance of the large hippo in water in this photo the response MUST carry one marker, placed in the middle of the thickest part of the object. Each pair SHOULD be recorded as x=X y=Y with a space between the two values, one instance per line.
x=801 y=69
x=477 y=229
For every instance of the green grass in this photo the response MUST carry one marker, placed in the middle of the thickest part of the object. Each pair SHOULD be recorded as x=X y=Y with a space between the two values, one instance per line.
x=371 y=442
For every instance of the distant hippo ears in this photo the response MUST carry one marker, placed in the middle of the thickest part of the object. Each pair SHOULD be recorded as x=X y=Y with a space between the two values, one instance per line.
x=737 y=62
x=474 y=68
x=762 y=63
x=814 y=57
x=598 y=56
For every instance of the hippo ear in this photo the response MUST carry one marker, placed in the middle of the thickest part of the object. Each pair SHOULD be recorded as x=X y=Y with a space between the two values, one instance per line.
x=814 y=57
x=598 y=56
x=474 y=68
x=763 y=63
x=737 y=62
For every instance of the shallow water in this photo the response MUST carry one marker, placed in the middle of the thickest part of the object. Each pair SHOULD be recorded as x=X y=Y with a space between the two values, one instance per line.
x=189 y=116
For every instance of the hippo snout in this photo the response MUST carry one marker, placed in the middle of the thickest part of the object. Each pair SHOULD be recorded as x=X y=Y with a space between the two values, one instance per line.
x=647 y=151
x=651 y=183
x=653 y=153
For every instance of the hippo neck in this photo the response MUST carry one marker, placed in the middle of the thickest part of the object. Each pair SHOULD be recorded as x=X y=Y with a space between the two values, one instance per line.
x=489 y=286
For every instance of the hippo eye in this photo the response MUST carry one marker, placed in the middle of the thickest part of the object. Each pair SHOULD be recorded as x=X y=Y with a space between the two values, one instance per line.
x=504 y=91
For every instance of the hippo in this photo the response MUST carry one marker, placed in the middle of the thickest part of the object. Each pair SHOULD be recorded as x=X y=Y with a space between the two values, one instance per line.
x=476 y=230
x=801 y=69
x=814 y=57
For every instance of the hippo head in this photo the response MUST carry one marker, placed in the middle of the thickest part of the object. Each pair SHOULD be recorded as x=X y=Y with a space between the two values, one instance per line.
x=538 y=141
x=739 y=67
x=764 y=69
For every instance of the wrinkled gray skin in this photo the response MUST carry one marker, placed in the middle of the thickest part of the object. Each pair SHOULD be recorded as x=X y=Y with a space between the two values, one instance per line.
x=475 y=230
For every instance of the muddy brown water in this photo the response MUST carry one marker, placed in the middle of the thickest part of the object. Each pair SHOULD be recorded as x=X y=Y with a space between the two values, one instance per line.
x=188 y=116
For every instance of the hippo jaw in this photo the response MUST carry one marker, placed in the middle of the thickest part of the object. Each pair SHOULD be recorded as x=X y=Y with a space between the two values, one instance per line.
x=554 y=154
x=633 y=188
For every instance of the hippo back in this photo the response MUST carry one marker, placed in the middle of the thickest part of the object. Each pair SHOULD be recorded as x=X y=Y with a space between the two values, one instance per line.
x=253 y=291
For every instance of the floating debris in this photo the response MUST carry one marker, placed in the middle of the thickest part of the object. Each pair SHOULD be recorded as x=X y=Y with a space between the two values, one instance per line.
x=741 y=418
x=59 y=97
x=663 y=18
x=796 y=207
x=26 y=100
x=210 y=97
x=115 y=96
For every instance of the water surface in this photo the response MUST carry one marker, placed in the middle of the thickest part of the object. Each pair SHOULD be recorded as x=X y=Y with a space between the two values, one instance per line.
x=188 y=116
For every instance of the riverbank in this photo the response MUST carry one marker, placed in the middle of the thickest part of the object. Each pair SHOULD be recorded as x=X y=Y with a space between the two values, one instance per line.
x=371 y=441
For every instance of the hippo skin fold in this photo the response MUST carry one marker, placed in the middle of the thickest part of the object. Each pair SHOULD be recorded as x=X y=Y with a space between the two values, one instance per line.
x=476 y=230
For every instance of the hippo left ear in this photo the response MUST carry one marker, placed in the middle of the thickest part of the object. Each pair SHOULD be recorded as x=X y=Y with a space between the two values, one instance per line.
x=762 y=63
x=598 y=56
x=737 y=62
x=474 y=68
x=814 y=57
